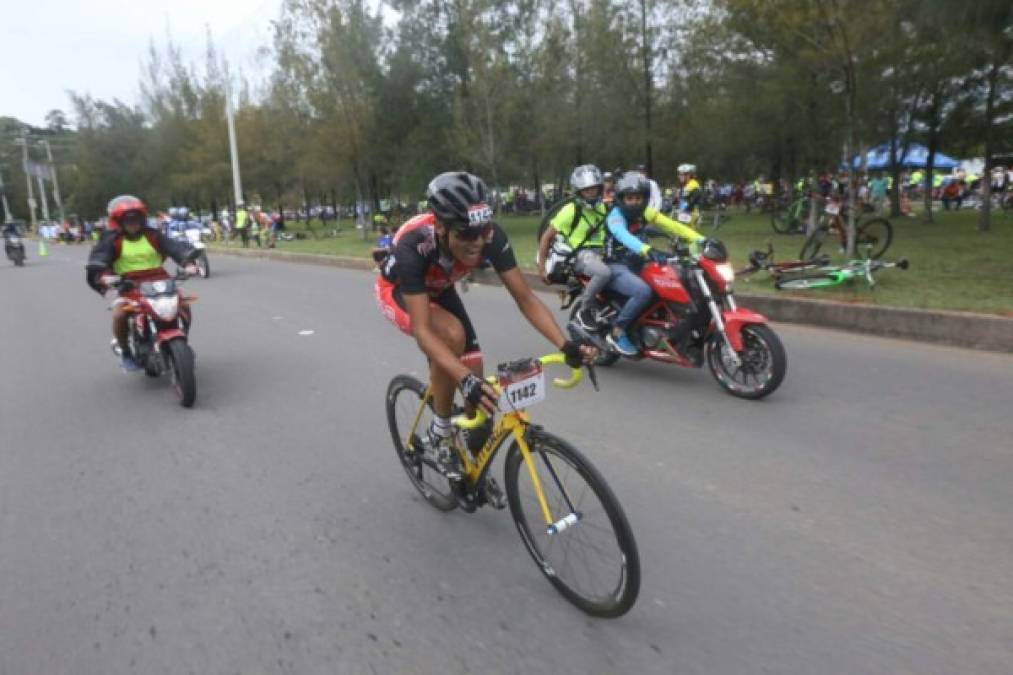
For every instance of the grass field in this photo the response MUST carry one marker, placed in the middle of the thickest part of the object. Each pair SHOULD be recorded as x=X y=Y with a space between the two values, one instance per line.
x=953 y=266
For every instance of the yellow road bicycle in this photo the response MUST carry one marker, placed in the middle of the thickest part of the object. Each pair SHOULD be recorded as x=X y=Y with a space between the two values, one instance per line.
x=567 y=516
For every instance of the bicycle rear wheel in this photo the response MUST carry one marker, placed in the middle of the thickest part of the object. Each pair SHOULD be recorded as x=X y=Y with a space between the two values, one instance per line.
x=594 y=561
x=813 y=243
x=404 y=396
x=872 y=238
x=783 y=220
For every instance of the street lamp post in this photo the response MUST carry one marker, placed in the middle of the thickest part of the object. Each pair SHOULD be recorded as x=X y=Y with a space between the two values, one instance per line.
x=23 y=142
x=3 y=196
x=56 y=183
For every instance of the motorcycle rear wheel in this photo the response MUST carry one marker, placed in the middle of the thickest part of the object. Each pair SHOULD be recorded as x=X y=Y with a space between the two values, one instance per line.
x=182 y=368
x=763 y=360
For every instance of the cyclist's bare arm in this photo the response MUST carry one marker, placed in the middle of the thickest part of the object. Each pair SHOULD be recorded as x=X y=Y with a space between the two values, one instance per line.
x=533 y=309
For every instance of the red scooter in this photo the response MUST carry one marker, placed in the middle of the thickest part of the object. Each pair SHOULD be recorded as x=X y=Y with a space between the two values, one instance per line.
x=692 y=318
x=157 y=331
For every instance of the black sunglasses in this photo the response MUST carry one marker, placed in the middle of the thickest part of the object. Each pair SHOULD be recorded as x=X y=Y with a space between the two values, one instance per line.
x=472 y=233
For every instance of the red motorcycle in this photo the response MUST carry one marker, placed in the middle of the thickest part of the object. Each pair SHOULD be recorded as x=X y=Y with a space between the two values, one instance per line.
x=692 y=318
x=157 y=331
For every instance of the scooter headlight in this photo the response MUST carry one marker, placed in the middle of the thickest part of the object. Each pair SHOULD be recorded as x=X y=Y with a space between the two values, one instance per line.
x=166 y=306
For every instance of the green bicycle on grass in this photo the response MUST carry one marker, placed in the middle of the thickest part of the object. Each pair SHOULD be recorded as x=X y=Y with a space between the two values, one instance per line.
x=835 y=276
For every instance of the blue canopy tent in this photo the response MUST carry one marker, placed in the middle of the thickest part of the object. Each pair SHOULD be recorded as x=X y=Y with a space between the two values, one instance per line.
x=917 y=157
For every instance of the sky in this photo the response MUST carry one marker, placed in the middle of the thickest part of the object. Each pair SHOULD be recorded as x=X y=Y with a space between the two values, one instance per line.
x=98 y=46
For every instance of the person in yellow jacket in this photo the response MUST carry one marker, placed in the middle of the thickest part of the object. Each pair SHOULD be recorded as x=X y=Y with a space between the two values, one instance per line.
x=243 y=224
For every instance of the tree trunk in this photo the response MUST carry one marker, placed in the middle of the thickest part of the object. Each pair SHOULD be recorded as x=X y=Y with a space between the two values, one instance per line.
x=985 y=219
x=849 y=152
x=895 y=186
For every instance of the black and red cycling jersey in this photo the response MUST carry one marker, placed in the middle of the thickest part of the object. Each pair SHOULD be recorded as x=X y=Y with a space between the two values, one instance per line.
x=416 y=264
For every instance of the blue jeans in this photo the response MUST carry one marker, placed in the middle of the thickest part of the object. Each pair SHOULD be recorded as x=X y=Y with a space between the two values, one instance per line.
x=635 y=289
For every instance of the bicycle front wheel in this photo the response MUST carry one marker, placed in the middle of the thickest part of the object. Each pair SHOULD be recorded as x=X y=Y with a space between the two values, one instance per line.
x=592 y=560
x=404 y=398
x=804 y=282
x=872 y=238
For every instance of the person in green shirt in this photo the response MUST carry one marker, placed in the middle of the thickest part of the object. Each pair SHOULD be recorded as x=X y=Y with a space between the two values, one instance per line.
x=242 y=224
x=581 y=223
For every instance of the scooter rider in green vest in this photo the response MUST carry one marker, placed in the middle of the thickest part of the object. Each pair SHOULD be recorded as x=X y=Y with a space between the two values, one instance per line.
x=135 y=252
x=582 y=224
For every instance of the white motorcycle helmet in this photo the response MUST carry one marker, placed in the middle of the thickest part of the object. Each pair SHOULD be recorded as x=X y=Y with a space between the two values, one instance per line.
x=687 y=168
x=583 y=177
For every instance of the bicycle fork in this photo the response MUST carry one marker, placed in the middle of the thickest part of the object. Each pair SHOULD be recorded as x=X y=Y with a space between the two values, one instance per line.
x=553 y=526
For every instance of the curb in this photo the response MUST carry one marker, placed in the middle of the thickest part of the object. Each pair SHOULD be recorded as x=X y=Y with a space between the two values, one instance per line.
x=958 y=329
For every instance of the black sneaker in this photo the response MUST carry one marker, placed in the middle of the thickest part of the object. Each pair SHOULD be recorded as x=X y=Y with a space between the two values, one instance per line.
x=492 y=493
x=445 y=456
x=586 y=319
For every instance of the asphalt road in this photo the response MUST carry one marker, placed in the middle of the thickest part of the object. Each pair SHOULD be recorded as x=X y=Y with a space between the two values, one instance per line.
x=860 y=520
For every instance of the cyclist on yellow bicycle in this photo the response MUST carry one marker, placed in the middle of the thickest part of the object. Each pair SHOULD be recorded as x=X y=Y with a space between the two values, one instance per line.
x=690 y=195
x=415 y=291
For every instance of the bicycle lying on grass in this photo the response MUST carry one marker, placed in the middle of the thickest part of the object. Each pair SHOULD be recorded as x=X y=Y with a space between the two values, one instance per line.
x=836 y=275
x=567 y=516
x=764 y=260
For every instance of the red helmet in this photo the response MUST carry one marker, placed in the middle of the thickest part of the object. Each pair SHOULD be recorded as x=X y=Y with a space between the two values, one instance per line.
x=121 y=206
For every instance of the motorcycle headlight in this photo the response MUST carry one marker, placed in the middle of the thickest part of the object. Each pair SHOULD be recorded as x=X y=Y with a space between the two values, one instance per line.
x=166 y=306
x=726 y=272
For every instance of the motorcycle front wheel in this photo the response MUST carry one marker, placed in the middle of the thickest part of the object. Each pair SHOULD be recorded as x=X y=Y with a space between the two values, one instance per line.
x=182 y=368
x=763 y=363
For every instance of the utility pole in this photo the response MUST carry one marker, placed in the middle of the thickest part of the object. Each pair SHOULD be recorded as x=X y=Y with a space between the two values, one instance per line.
x=23 y=142
x=649 y=160
x=56 y=183
x=237 y=184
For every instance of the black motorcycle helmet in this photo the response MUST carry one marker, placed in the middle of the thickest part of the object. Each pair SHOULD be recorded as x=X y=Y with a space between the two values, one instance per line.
x=632 y=182
x=458 y=200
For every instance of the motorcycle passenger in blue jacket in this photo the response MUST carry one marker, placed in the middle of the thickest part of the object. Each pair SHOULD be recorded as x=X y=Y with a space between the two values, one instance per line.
x=626 y=250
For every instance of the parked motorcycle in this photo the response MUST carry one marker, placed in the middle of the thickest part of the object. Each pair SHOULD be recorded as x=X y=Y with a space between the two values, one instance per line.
x=693 y=319
x=14 y=247
x=157 y=331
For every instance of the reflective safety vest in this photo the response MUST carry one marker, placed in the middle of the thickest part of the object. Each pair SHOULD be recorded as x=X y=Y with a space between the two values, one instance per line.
x=137 y=256
x=241 y=218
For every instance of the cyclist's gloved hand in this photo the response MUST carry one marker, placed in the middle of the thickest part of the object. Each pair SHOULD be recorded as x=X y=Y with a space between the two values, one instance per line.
x=478 y=393
x=574 y=356
x=657 y=256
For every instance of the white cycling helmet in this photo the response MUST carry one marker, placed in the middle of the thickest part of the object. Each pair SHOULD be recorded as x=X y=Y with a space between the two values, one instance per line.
x=687 y=168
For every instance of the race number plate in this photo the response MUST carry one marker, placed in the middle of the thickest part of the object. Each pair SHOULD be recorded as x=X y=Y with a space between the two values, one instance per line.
x=684 y=217
x=521 y=390
x=833 y=208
